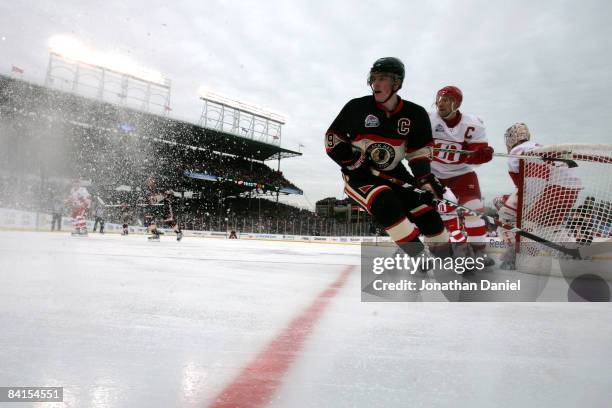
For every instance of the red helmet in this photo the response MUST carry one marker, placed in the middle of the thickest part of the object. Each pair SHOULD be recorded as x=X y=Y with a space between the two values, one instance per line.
x=452 y=91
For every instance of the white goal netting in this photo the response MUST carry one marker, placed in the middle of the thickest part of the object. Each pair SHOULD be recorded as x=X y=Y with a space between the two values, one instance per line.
x=564 y=196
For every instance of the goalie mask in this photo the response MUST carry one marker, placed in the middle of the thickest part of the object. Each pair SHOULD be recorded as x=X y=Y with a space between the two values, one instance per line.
x=515 y=134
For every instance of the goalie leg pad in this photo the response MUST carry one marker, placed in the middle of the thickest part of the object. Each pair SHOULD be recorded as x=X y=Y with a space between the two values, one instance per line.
x=507 y=215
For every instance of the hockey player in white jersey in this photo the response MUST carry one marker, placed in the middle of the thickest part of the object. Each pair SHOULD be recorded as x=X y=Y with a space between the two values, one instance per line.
x=455 y=130
x=450 y=217
x=553 y=191
x=79 y=201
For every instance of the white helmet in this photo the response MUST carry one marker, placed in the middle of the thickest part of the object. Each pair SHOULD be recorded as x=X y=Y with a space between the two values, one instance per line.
x=519 y=132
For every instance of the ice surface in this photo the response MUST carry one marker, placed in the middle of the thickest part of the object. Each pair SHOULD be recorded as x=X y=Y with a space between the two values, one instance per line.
x=122 y=322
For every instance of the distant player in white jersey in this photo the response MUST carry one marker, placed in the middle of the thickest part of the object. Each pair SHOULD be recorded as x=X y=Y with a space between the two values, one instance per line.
x=454 y=130
x=553 y=191
x=79 y=201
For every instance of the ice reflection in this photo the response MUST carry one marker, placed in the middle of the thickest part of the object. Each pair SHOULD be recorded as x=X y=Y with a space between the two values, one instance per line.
x=193 y=383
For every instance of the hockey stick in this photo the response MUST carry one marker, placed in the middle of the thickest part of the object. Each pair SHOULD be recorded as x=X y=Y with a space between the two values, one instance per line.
x=570 y=163
x=573 y=252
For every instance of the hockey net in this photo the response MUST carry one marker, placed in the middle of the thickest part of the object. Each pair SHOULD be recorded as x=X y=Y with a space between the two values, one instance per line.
x=566 y=201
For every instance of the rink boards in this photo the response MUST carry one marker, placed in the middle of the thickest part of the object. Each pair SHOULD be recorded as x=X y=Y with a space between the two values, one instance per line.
x=31 y=221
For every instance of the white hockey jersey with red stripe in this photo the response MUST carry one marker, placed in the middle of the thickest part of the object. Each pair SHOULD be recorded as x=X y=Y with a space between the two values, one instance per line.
x=468 y=134
x=553 y=172
x=79 y=197
x=521 y=149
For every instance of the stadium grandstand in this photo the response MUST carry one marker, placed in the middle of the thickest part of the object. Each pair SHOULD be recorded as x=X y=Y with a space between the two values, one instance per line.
x=220 y=179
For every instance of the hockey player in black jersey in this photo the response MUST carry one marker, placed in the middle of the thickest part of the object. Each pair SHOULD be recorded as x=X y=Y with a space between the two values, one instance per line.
x=377 y=132
x=126 y=218
x=159 y=211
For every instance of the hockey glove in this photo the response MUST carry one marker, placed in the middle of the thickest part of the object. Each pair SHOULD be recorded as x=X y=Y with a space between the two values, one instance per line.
x=430 y=183
x=359 y=168
x=481 y=156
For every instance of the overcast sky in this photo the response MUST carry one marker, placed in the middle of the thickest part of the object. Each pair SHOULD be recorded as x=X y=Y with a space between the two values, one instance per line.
x=546 y=63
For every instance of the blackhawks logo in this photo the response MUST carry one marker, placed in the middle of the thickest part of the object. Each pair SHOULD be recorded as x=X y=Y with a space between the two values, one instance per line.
x=381 y=154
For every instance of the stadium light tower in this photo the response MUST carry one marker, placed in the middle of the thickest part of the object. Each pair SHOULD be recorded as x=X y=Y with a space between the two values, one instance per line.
x=239 y=118
x=110 y=77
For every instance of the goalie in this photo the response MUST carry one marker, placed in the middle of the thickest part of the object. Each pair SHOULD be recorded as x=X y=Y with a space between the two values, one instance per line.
x=551 y=194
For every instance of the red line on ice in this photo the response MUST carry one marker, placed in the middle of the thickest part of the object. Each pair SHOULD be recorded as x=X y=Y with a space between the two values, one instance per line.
x=259 y=380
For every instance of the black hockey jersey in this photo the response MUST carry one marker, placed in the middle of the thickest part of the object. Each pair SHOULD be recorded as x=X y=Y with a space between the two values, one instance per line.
x=363 y=125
